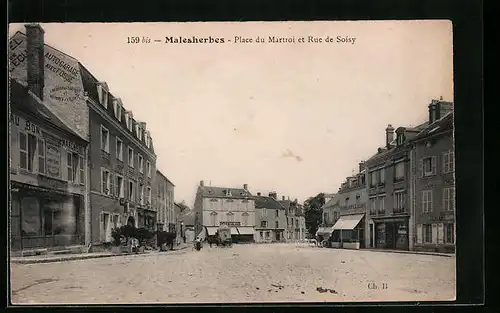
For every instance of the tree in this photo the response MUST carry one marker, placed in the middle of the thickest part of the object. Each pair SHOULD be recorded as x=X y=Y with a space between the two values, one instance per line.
x=183 y=206
x=313 y=212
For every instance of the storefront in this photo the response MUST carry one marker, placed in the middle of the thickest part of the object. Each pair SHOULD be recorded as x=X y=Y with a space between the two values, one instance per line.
x=349 y=231
x=45 y=218
x=391 y=233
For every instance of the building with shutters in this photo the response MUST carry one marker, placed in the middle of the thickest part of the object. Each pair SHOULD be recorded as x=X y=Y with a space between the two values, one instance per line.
x=270 y=219
x=433 y=183
x=166 y=216
x=48 y=151
x=234 y=207
x=388 y=184
x=295 y=218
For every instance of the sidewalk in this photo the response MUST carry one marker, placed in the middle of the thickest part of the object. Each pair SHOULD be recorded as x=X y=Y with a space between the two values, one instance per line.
x=449 y=255
x=82 y=256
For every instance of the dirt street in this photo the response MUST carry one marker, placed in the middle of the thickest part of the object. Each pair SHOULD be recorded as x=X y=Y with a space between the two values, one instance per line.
x=243 y=273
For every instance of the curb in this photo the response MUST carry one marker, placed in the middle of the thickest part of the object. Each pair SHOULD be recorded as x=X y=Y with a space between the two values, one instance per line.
x=412 y=252
x=84 y=257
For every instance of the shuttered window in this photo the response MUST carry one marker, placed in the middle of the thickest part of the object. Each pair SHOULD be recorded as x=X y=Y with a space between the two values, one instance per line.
x=419 y=233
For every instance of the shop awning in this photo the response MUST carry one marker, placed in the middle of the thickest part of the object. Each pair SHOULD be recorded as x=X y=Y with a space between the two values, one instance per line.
x=348 y=222
x=234 y=231
x=211 y=230
x=324 y=231
x=245 y=230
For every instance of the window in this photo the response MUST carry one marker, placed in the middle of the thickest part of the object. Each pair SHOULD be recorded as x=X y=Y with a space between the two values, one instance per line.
x=449 y=233
x=149 y=195
x=399 y=170
x=131 y=190
x=264 y=212
x=297 y=222
x=105 y=182
x=381 y=204
x=130 y=157
x=103 y=96
x=41 y=156
x=119 y=149
x=244 y=219
x=325 y=217
x=277 y=213
x=400 y=139
x=117 y=109
x=120 y=192
x=382 y=175
x=73 y=166
x=292 y=221
x=141 y=163
x=427 y=231
x=427 y=201
x=374 y=178
x=399 y=198
x=277 y=224
x=449 y=199
x=263 y=224
x=448 y=162
x=213 y=217
x=429 y=166
x=27 y=149
x=148 y=168
x=141 y=194
x=104 y=139
x=81 y=170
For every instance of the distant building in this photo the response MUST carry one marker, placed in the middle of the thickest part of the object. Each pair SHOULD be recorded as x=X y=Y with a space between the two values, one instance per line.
x=270 y=219
x=296 y=222
x=433 y=184
x=234 y=207
x=165 y=202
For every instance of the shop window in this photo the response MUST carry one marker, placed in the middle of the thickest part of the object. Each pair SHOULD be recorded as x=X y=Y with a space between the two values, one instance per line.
x=41 y=156
x=427 y=232
x=31 y=225
x=449 y=233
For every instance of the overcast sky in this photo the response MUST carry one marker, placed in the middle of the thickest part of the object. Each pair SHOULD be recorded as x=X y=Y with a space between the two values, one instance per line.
x=294 y=118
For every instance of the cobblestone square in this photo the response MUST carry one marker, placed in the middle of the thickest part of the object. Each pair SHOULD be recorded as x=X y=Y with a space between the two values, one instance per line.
x=243 y=273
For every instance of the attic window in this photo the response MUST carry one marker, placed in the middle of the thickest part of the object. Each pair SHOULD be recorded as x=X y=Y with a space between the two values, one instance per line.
x=103 y=96
x=400 y=139
x=117 y=109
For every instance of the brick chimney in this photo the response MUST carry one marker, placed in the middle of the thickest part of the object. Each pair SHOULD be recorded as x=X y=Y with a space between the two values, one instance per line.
x=273 y=195
x=438 y=109
x=35 y=58
x=245 y=186
x=389 y=135
x=202 y=183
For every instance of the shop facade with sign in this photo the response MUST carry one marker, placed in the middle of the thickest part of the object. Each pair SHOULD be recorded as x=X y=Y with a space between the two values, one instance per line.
x=48 y=177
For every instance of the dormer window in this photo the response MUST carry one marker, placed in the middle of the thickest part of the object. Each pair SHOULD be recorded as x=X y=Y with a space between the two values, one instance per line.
x=400 y=139
x=228 y=193
x=137 y=129
x=117 y=108
x=103 y=95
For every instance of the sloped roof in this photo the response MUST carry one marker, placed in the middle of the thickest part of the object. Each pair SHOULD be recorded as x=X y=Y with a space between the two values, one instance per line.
x=220 y=192
x=267 y=202
x=23 y=100
x=443 y=124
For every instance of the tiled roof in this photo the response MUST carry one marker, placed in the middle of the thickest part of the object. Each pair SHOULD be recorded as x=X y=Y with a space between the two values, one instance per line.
x=441 y=125
x=26 y=102
x=220 y=192
x=267 y=202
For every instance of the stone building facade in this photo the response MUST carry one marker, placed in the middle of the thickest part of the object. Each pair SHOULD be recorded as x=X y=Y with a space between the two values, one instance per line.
x=270 y=219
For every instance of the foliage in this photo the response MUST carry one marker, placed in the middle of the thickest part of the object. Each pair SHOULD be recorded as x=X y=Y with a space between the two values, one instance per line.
x=183 y=206
x=165 y=237
x=313 y=212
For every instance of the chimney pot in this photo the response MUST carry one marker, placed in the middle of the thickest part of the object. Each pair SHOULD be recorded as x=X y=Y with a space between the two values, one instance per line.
x=35 y=60
x=258 y=194
x=202 y=183
x=245 y=186
x=389 y=135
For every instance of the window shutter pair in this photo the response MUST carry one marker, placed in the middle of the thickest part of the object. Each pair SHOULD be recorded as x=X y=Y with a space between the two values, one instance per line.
x=440 y=234
x=434 y=233
x=111 y=184
x=419 y=233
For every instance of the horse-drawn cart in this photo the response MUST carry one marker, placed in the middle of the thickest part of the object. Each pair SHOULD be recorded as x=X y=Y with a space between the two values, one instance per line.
x=223 y=236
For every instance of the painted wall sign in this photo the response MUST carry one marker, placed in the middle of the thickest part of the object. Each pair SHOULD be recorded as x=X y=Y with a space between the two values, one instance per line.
x=63 y=87
x=53 y=159
x=231 y=224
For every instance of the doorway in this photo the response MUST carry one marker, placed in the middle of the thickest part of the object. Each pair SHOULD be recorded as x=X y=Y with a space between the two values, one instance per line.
x=278 y=238
x=371 y=236
x=131 y=221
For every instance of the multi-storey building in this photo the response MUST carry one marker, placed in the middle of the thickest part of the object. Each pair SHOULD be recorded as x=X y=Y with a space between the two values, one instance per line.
x=270 y=218
x=48 y=147
x=234 y=207
x=295 y=218
x=123 y=164
x=433 y=185
x=388 y=189
x=161 y=182
x=171 y=219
